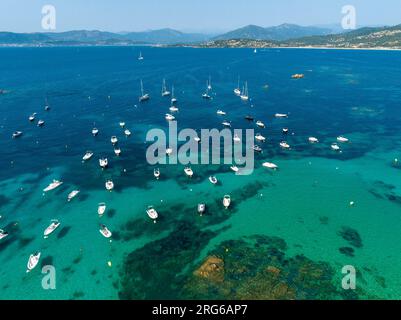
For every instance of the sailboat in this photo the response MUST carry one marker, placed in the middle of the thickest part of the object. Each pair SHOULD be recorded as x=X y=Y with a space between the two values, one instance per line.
x=165 y=92
x=144 y=96
x=209 y=84
x=173 y=98
x=140 y=56
x=244 y=95
x=206 y=94
x=237 y=90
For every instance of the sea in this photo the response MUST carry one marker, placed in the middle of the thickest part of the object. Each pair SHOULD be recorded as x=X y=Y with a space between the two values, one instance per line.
x=326 y=223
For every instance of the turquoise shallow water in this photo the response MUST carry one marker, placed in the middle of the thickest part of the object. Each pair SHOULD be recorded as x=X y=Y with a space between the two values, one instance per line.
x=305 y=202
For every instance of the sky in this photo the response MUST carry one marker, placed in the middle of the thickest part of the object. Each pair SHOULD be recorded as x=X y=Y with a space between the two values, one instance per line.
x=208 y=16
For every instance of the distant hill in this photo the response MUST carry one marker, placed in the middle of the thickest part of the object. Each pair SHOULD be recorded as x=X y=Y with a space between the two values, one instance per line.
x=278 y=33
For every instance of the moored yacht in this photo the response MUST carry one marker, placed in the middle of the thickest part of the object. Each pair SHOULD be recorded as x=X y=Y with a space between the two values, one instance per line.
x=313 y=140
x=256 y=148
x=95 y=132
x=32 y=117
x=101 y=208
x=51 y=228
x=281 y=115
x=17 y=134
x=270 y=165
x=127 y=132
x=33 y=261
x=87 y=155
x=226 y=124
x=105 y=232
x=109 y=185
x=201 y=208
x=3 y=234
x=72 y=195
x=342 y=139
x=144 y=96
x=41 y=123
x=169 y=151
x=152 y=213
x=117 y=151
x=114 y=140
x=284 y=145
x=169 y=117
x=260 y=138
x=122 y=124
x=226 y=201
x=156 y=173
x=236 y=138
x=165 y=92
x=103 y=163
x=173 y=109
x=335 y=147
x=234 y=168
x=285 y=130
x=260 y=124
x=221 y=113
x=188 y=171
x=55 y=184
x=249 y=118
x=213 y=179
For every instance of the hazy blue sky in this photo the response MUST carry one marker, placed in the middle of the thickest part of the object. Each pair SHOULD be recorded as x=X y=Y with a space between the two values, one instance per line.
x=190 y=15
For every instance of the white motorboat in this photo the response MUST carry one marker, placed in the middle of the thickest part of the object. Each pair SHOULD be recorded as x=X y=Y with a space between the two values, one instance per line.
x=313 y=140
x=201 y=208
x=221 y=113
x=260 y=138
x=55 y=184
x=169 y=151
x=156 y=173
x=87 y=155
x=335 y=147
x=101 y=208
x=165 y=92
x=284 y=145
x=260 y=124
x=226 y=124
x=213 y=179
x=169 y=117
x=17 y=134
x=188 y=171
x=114 y=140
x=237 y=90
x=103 y=163
x=105 y=232
x=197 y=139
x=281 y=115
x=109 y=185
x=173 y=109
x=127 y=132
x=32 y=117
x=226 y=201
x=144 y=96
x=122 y=124
x=270 y=165
x=244 y=94
x=95 y=132
x=234 y=168
x=3 y=234
x=257 y=148
x=342 y=139
x=117 y=151
x=285 y=130
x=41 y=123
x=72 y=195
x=51 y=228
x=33 y=261
x=236 y=138
x=152 y=213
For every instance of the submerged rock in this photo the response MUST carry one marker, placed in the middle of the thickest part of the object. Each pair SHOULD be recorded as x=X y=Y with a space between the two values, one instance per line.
x=351 y=236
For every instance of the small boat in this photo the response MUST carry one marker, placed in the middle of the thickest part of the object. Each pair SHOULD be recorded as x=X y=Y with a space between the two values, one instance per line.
x=206 y=96
x=342 y=139
x=47 y=106
x=284 y=145
x=109 y=185
x=122 y=124
x=169 y=151
x=103 y=162
x=335 y=147
x=32 y=117
x=201 y=208
x=127 y=132
x=165 y=92
x=226 y=201
x=173 y=109
x=17 y=134
x=144 y=96
x=260 y=138
x=101 y=208
x=114 y=140
x=313 y=140
x=169 y=117
x=55 y=184
x=213 y=179
x=234 y=168
x=244 y=94
x=281 y=115
x=140 y=56
x=226 y=124
x=33 y=261
x=236 y=138
x=105 y=232
x=285 y=130
x=87 y=155
x=117 y=151
x=221 y=113
x=270 y=165
x=255 y=51
x=51 y=228
x=156 y=173
x=188 y=171
x=257 y=148
x=3 y=234
x=41 y=123
x=72 y=195
x=249 y=118
x=197 y=139
x=152 y=213
x=260 y=124
x=237 y=90
x=95 y=132
x=298 y=76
